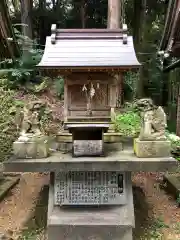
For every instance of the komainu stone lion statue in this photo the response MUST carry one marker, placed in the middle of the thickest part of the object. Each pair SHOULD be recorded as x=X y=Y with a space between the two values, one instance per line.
x=29 y=119
x=154 y=121
x=32 y=143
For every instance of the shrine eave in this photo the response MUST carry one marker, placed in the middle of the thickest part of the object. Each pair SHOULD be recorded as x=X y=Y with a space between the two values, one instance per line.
x=115 y=69
x=89 y=50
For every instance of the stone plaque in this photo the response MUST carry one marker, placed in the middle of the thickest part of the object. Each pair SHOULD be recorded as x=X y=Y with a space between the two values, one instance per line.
x=90 y=188
x=88 y=148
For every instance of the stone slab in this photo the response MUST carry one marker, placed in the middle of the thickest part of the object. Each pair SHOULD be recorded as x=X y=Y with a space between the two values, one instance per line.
x=66 y=147
x=172 y=181
x=97 y=223
x=88 y=148
x=89 y=233
x=31 y=149
x=115 y=160
x=7 y=185
x=149 y=149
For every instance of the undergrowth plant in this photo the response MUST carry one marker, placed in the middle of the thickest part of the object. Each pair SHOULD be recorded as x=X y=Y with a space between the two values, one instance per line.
x=130 y=85
x=128 y=123
x=8 y=128
x=156 y=229
x=18 y=72
x=59 y=85
x=175 y=144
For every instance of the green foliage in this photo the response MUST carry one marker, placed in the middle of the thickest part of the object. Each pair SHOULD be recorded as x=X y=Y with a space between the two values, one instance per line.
x=59 y=86
x=175 y=144
x=128 y=123
x=22 y=70
x=34 y=234
x=178 y=199
x=157 y=227
x=130 y=85
x=38 y=88
x=176 y=227
x=8 y=129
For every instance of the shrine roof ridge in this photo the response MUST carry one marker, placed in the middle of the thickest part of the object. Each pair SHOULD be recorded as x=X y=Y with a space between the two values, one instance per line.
x=92 y=33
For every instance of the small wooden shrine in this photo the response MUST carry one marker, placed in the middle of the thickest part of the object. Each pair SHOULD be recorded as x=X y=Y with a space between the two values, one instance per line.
x=91 y=62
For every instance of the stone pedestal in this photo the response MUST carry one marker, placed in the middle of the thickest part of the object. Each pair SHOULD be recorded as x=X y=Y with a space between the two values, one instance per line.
x=31 y=148
x=152 y=149
x=90 y=222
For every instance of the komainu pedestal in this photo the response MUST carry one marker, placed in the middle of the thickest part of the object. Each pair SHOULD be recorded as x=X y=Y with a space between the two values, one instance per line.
x=145 y=149
x=31 y=147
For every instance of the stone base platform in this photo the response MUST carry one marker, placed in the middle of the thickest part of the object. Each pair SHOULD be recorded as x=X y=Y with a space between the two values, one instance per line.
x=91 y=223
x=152 y=149
x=114 y=160
x=31 y=149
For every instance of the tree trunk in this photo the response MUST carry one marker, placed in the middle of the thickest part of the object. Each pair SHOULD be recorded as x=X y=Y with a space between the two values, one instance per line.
x=26 y=20
x=26 y=17
x=83 y=13
x=42 y=6
x=114 y=18
x=178 y=114
x=165 y=89
x=139 y=23
x=114 y=13
x=166 y=85
x=8 y=48
x=139 y=40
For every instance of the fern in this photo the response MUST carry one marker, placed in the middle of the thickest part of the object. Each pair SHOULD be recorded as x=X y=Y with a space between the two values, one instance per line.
x=21 y=70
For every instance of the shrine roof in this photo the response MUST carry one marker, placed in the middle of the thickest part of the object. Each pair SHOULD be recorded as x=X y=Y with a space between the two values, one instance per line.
x=88 y=48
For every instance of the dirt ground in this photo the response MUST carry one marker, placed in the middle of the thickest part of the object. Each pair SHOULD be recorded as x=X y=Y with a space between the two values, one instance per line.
x=18 y=206
x=155 y=209
x=157 y=214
